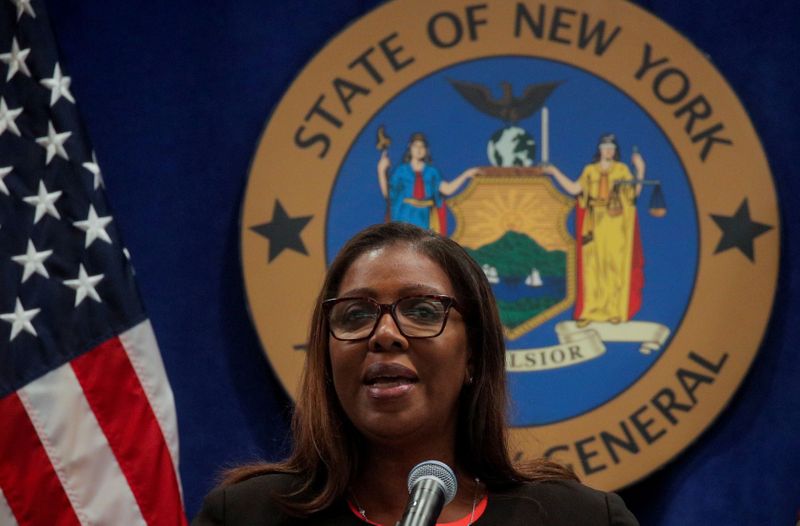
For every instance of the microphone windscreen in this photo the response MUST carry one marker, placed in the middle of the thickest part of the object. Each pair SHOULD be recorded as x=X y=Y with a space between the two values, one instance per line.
x=435 y=470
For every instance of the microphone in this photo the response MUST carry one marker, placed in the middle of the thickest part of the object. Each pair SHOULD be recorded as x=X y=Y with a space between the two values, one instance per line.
x=431 y=486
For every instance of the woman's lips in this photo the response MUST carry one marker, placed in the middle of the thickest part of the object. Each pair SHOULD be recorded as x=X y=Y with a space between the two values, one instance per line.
x=387 y=388
x=388 y=380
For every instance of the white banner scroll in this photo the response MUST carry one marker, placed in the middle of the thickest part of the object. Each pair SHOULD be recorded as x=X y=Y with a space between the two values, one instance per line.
x=580 y=344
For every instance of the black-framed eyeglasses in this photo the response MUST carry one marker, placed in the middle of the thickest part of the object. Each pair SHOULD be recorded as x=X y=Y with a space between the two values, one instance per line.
x=421 y=316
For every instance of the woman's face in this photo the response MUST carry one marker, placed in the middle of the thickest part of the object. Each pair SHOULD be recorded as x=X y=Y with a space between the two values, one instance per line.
x=396 y=389
x=418 y=150
x=607 y=151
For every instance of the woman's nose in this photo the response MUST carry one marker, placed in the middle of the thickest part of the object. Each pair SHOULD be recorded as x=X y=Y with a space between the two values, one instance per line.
x=387 y=335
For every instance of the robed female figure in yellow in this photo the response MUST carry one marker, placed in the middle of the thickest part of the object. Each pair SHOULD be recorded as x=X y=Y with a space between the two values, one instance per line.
x=609 y=252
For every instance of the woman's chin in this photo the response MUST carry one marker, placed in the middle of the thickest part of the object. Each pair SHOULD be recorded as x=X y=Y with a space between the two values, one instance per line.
x=390 y=427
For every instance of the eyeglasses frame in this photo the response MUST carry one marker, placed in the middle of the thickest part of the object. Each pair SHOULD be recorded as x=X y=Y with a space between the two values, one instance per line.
x=389 y=308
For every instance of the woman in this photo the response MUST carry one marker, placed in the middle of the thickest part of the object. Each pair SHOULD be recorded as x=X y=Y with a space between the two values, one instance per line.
x=416 y=190
x=609 y=252
x=381 y=393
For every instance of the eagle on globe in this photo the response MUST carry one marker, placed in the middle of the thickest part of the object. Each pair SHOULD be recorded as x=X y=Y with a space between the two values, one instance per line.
x=510 y=146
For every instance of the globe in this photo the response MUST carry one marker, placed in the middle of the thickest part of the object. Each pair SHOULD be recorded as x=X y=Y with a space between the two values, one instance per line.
x=511 y=146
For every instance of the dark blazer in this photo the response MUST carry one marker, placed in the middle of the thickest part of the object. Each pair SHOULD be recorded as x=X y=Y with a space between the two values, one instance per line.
x=248 y=503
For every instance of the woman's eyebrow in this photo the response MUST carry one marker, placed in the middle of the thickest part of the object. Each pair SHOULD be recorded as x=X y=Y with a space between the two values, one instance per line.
x=419 y=288
x=359 y=292
x=405 y=290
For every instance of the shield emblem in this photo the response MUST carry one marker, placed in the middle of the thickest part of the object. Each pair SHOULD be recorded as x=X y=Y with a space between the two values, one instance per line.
x=513 y=221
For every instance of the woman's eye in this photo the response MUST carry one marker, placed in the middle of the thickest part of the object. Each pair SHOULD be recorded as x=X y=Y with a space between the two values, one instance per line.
x=423 y=310
x=356 y=313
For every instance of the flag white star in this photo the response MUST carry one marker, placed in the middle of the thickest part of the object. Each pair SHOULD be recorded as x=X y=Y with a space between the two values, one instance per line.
x=94 y=226
x=58 y=86
x=94 y=168
x=84 y=285
x=45 y=203
x=16 y=60
x=8 y=118
x=4 y=171
x=24 y=6
x=33 y=261
x=20 y=320
x=54 y=143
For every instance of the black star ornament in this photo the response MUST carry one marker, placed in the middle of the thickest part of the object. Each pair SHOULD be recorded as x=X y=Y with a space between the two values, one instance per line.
x=739 y=231
x=283 y=232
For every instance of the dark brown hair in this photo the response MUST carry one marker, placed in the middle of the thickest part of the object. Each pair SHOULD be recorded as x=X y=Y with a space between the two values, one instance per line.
x=325 y=455
x=418 y=136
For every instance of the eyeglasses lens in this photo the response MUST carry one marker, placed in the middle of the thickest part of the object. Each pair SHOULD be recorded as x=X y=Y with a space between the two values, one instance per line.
x=420 y=316
x=353 y=319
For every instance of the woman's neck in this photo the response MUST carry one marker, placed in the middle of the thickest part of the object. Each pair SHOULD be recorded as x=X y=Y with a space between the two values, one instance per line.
x=381 y=489
x=417 y=165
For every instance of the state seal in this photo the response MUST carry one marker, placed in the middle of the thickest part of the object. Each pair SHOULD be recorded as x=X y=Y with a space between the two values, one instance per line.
x=589 y=158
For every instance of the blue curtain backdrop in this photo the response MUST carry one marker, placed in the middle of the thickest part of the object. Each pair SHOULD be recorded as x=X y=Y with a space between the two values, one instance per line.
x=175 y=95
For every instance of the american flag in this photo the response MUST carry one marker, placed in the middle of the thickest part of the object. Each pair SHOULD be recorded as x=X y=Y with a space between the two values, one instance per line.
x=88 y=432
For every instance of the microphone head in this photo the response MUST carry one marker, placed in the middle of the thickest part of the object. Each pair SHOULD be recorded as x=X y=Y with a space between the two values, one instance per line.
x=439 y=471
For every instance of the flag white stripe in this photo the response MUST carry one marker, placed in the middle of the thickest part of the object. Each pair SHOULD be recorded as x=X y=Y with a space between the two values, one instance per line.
x=140 y=344
x=6 y=517
x=78 y=450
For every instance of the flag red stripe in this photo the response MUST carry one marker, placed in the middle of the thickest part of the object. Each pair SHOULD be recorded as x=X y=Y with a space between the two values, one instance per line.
x=116 y=396
x=30 y=484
